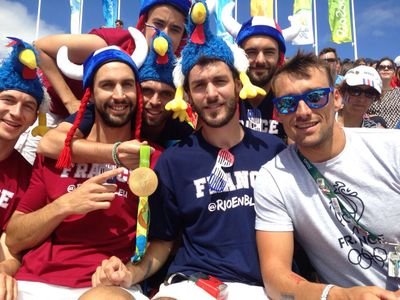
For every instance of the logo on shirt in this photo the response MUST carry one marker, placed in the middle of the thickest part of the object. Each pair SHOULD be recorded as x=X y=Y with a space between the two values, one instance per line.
x=5 y=197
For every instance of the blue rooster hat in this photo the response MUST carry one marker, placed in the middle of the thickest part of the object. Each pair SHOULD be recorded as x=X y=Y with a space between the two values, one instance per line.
x=160 y=60
x=18 y=71
x=202 y=42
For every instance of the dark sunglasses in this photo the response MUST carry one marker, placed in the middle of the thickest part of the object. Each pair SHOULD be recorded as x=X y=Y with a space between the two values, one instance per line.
x=330 y=60
x=369 y=93
x=317 y=98
x=385 y=67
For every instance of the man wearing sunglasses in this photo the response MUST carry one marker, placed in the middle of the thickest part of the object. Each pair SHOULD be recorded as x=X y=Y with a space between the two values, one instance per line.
x=329 y=55
x=362 y=86
x=334 y=190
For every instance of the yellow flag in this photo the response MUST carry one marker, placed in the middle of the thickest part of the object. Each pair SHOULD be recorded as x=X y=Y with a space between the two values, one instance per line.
x=262 y=8
x=340 y=21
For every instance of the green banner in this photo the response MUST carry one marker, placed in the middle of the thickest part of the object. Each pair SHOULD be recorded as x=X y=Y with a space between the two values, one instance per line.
x=340 y=21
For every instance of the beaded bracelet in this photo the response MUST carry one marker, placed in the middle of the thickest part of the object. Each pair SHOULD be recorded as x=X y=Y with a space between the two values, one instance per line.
x=114 y=154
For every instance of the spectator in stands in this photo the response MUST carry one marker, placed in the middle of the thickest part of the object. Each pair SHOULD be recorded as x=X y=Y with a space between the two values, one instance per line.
x=119 y=24
x=388 y=106
x=329 y=55
x=361 y=86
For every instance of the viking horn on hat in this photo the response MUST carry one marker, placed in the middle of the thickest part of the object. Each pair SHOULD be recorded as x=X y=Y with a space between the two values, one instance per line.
x=75 y=71
x=233 y=26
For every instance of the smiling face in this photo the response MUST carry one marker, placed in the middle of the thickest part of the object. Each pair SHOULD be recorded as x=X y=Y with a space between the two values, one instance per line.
x=168 y=19
x=263 y=55
x=213 y=93
x=18 y=111
x=114 y=91
x=308 y=128
x=155 y=96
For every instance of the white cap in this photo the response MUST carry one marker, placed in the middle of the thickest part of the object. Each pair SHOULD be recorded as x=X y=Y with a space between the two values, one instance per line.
x=397 y=61
x=364 y=75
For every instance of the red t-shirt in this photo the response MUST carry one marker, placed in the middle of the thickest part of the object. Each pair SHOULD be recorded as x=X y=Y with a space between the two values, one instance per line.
x=15 y=173
x=77 y=246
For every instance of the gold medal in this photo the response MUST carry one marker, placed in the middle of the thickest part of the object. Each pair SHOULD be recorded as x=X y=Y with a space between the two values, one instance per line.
x=143 y=181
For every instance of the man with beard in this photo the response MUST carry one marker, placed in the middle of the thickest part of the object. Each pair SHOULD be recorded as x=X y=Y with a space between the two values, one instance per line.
x=264 y=44
x=157 y=124
x=71 y=219
x=205 y=191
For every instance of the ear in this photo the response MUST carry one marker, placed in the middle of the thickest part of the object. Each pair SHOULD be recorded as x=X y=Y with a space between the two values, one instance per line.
x=238 y=86
x=337 y=100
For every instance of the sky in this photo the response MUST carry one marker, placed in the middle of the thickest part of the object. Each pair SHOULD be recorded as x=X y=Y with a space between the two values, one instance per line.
x=377 y=23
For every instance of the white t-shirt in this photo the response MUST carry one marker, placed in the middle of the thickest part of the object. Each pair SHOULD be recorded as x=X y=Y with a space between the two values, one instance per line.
x=367 y=175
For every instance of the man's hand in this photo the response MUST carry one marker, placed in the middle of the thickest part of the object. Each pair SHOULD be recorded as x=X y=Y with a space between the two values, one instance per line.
x=8 y=287
x=129 y=153
x=112 y=272
x=92 y=195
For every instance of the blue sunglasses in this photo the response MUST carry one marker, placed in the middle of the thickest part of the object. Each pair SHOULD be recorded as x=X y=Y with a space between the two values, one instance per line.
x=317 y=98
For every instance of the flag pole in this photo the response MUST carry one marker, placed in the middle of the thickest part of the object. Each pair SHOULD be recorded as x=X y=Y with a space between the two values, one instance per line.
x=315 y=27
x=354 y=31
x=236 y=10
x=80 y=16
x=276 y=11
x=119 y=9
x=38 y=19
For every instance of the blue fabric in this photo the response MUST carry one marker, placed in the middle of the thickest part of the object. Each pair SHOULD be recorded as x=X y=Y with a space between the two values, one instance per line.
x=11 y=73
x=97 y=59
x=218 y=235
x=150 y=70
x=214 y=47
x=268 y=124
x=182 y=5
x=247 y=30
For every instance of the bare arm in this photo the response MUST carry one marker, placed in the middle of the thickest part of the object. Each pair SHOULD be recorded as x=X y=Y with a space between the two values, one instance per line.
x=9 y=264
x=113 y=272
x=80 y=46
x=25 y=231
x=276 y=251
x=84 y=151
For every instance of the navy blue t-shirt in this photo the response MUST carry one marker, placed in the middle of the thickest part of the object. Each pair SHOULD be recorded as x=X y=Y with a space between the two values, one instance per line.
x=173 y=131
x=217 y=228
x=261 y=118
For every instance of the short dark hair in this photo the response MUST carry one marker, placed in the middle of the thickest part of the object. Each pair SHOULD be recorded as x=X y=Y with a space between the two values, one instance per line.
x=204 y=61
x=327 y=50
x=119 y=21
x=299 y=67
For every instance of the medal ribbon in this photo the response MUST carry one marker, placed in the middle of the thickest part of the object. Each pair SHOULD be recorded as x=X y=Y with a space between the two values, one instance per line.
x=143 y=214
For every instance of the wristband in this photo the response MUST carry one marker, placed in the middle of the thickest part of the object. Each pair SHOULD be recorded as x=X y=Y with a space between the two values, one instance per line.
x=326 y=290
x=114 y=154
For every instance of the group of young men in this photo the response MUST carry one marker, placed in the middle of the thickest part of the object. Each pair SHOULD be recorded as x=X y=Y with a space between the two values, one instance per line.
x=226 y=227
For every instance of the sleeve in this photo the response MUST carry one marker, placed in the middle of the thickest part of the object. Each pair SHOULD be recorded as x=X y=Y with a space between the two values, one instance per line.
x=164 y=211
x=271 y=212
x=36 y=195
x=87 y=120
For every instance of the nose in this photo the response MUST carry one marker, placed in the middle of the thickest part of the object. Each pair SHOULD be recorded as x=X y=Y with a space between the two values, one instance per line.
x=118 y=92
x=16 y=110
x=212 y=92
x=260 y=58
x=154 y=100
x=303 y=111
